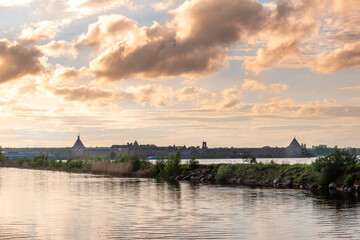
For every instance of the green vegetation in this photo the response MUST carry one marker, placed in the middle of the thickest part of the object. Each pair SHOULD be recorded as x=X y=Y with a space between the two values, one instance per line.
x=340 y=167
x=193 y=163
x=159 y=166
x=225 y=172
x=172 y=166
x=2 y=157
x=333 y=166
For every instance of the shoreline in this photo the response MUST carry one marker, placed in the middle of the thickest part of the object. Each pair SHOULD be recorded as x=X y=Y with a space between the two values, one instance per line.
x=256 y=175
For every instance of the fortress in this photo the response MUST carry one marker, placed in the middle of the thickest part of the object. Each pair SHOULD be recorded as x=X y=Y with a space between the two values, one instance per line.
x=79 y=151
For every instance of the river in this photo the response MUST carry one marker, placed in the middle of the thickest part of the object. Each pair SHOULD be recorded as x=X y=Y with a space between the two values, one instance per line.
x=57 y=205
x=263 y=160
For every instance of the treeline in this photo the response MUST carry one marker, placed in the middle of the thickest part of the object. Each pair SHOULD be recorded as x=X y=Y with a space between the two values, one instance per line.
x=317 y=151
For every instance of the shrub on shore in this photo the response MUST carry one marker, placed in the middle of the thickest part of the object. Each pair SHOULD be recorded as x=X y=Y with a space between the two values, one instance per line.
x=332 y=166
x=172 y=165
x=193 y=163
x=224 y=172
x=159 y=167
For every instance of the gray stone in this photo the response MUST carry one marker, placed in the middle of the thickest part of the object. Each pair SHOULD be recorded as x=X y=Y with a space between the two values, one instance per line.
x=179 y=177
x=253 y=182
x=210 y=177
x=187 y=177
x=276 y=181
x=289 y=181
x=332 y=186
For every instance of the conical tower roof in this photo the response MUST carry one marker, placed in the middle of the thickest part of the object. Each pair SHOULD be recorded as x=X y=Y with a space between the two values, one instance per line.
x=294 y=143
x=78 y=143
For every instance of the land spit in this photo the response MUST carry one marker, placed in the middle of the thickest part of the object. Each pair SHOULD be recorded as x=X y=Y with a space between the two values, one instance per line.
x=297 y=176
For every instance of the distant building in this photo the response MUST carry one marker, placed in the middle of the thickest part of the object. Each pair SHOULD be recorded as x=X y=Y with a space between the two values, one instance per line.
x=150 y=150
x=77 y=151
x=12 y=155
x=294 y=149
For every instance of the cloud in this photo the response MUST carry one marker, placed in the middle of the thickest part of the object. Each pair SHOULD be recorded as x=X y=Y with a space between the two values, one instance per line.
x=253 y=85
x=192 y=44
x=346 y=57
x=211 y=22
x=269 y=91
x=154 y=95
x=163 y=5
x=277 y=88
x=67 y=75
x=17 y=61
x=350 y=88
x=231 y=98
x=88 y=7
x=39 y=31
x=195 y=40
x=11 y=3
x=83 y=93
x=199 y=97
x=270 y=56
x=59 y=48
x=110 y=30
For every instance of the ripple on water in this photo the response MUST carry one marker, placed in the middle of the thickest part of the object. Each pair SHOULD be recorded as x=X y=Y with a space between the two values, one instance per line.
x=55 y=205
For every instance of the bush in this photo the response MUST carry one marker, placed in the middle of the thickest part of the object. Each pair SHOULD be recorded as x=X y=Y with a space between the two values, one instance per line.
x=159 y=166
x=350 y=180
x=333 y=165
x=224 y=172
x=193 y=163
x=59 y=164
x=172 y=165
x=249 y=158
x=122 y=158
x=136 y=162
x=145 y=164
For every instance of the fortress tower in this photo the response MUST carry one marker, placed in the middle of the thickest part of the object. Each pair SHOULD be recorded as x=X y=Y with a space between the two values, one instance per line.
x=294 y=149
x=77 y=151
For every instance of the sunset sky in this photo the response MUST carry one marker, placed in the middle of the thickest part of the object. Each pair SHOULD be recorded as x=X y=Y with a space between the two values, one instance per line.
x=240 y=73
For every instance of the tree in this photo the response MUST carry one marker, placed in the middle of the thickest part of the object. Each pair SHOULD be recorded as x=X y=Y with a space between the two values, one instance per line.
x=112 y=155
x=249 y=158
x=333 y=165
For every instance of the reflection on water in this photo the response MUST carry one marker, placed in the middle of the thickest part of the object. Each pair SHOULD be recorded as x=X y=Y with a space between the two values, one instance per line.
x=56 y=205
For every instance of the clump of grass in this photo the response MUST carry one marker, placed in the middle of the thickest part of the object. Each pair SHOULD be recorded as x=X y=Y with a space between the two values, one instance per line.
x=224 y=172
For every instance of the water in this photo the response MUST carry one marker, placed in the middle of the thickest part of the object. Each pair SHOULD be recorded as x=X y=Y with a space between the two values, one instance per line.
x=263 y=160
x=56 y=205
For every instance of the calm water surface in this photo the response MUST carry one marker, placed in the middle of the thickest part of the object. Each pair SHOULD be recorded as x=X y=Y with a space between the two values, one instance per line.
x=263 y=160
x=56 y=205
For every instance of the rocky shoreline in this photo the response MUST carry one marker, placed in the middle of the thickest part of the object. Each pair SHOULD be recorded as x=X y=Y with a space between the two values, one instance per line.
x=206 y=175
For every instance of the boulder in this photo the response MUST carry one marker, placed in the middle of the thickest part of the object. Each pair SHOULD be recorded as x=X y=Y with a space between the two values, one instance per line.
x=186 y=178
x=210 y=177
x=276 y=181
x=253 y=182
x=289 y=181
x=332 y=186
x=178 y=178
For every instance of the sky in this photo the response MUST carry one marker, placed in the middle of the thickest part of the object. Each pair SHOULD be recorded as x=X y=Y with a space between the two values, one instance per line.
x=233 y=73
